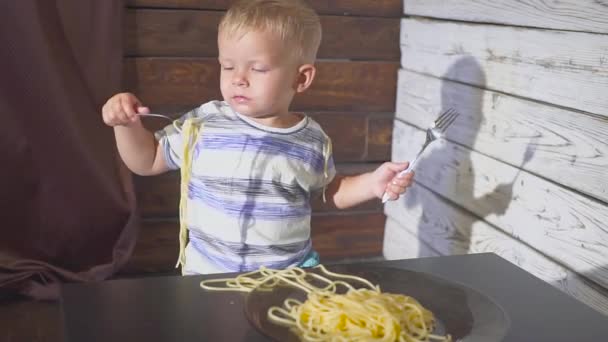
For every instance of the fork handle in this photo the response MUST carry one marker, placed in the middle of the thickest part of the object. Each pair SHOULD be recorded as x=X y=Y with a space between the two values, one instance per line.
x=155 y=116
x=410 y=167
x=385 y=197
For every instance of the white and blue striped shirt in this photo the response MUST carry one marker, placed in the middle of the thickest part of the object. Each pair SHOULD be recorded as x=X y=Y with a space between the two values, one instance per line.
x=249 y=190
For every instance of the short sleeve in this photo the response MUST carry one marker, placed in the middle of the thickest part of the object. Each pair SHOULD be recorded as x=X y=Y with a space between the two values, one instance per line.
x=171 y=139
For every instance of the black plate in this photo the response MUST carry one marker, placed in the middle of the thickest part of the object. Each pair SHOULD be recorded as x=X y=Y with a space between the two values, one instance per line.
x=466 y=314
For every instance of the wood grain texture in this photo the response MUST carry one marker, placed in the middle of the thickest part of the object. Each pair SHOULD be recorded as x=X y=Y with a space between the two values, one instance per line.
x=575 y=15
x=358 y=137
x=376 y=8
x=334 y=237
x=170 y=83
x=561 y=224
x=158 y=197
x=379 y=139
x=400 y=243
x=426 y=219
x=193 y=33
x=352 y=235
x=567 y=147
x=156 y=249
x=31 y=321
x=564 y=68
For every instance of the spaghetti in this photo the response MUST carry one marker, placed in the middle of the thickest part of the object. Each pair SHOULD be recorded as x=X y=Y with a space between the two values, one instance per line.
x=190 y=131
x=363 y=313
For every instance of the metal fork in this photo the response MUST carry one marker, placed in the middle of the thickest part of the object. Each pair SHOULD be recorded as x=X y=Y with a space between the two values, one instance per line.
x=156 y=116
x=433 y=133
x=162 y=117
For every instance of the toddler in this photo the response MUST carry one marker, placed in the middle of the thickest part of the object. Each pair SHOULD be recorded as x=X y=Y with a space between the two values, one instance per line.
x=249 y=165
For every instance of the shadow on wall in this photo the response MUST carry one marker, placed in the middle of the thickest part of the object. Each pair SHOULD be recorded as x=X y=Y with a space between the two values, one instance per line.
x=447 y=169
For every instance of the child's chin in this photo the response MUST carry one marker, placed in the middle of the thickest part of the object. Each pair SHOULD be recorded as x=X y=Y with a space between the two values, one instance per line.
x=243 y=109
x=246 y=111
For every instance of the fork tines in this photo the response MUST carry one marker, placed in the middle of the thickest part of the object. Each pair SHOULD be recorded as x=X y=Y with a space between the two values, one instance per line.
x=446 y=118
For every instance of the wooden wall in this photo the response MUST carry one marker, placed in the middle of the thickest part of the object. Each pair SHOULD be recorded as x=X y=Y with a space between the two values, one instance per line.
x=170 y=57
x=523 y=172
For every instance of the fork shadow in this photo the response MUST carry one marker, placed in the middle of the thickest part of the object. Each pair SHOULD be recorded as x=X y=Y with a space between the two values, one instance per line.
x=449 y=168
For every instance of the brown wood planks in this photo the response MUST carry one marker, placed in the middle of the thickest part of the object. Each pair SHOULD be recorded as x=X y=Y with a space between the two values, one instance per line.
x=192 y=33
x=376 y=8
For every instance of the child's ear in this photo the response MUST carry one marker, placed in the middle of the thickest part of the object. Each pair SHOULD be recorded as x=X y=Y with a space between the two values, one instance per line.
x=306 y=73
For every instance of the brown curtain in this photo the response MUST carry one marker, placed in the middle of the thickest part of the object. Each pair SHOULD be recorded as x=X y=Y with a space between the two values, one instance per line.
x=67 y=208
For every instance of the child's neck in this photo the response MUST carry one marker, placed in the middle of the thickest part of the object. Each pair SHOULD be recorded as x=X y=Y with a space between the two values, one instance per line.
x=279 y=121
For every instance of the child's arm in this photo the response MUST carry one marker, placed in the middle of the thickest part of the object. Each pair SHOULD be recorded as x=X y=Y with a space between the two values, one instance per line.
x=348 y=191
x=137 y=146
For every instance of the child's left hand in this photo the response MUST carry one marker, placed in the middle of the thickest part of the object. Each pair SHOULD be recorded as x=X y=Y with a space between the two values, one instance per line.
x=384 y=179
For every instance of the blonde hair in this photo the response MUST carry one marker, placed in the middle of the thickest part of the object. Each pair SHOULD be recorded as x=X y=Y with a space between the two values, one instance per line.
x=293 y=21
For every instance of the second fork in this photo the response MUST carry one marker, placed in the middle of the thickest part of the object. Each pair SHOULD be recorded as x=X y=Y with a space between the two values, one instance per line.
x=433 y=133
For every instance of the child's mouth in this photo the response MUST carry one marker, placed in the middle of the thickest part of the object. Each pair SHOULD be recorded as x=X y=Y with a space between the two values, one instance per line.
x=240 y=99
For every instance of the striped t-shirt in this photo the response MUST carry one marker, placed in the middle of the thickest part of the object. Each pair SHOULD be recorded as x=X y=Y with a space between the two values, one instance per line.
x=248 y=201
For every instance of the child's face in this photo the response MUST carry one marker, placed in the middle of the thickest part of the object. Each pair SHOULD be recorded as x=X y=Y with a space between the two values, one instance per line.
x=258 y=78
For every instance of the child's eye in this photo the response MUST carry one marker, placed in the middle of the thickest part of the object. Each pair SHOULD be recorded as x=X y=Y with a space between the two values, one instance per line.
x=259 y=70
x=227 y=68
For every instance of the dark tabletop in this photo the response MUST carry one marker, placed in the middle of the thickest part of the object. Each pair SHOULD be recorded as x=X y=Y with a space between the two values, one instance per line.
x=175 y=308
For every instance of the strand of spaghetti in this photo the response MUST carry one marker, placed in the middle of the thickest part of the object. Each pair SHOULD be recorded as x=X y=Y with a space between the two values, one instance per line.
x=277 y=278
x=327 y=152
x=346 y=276
x=359 y=314
x=267 y=277
x=189 y=133
x=247 y=282
x=287 y=318
x=331 y=285
x=299 y=283
x=378 y=317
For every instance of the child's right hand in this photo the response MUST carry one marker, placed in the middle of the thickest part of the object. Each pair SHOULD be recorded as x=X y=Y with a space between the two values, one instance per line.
x=122 y=109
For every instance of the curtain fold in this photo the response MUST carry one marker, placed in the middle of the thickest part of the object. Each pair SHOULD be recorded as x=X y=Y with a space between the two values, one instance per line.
x=67 y=209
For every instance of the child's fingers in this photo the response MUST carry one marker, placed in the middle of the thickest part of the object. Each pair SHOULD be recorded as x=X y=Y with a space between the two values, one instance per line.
x=397 y=167
x=114 y=113
x=392 y=196
x=397 y=189
x=399 y=184
x=405 y=181
x=128 y=109
x=409 y=176
x=106 y=114
x=143 y=110
x=120 y=109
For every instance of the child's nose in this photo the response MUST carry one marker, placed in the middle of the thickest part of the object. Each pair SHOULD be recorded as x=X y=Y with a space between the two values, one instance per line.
x=239 y=79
